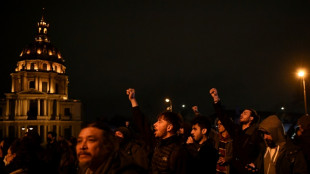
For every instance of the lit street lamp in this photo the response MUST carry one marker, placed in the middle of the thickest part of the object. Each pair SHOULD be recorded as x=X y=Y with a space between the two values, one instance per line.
x=301 y=74
x=170 y=104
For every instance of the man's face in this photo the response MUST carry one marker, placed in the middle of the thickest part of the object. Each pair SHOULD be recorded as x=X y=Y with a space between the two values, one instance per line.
x=245 y=116
x=268 y=140
x=89 y=145
x=196 y=133
x=220 y=127
x=161 y=128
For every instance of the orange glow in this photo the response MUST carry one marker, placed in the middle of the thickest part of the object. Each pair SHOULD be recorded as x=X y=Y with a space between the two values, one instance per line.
x=28 y=51
x=301 y=73
x=39 y=51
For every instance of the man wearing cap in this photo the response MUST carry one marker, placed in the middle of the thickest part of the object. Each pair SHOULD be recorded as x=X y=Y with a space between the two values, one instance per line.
x=246 y=140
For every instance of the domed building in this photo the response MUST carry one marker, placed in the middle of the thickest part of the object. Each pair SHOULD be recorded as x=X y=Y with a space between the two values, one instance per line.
x=38 y=100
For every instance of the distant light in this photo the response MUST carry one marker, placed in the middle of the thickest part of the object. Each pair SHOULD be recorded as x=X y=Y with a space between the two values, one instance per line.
x=183 y=106
x=282 y=108
x=30 y=128
x=65 y=98
x=301 y=73
x=23 y=128
x=167 y=100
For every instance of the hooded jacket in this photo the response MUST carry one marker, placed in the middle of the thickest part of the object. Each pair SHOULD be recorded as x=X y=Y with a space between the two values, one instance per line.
x=284 y=157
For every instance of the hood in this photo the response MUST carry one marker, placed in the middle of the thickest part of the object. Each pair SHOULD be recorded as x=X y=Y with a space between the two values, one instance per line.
x=274 y=126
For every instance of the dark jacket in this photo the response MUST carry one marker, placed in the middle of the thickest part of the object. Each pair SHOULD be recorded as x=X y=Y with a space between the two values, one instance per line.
x=169 y=157
x=246 y=143
x=288 y=158
x=134 y=154
x=303 y=142
x=203 y=157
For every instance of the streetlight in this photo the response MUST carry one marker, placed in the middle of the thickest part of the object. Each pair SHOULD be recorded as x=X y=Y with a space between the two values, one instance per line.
x=301 y=73
x=170 y=104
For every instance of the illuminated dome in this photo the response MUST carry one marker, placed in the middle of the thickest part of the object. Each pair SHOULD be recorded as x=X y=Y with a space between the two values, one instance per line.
x=41 y=48
x=41 y=55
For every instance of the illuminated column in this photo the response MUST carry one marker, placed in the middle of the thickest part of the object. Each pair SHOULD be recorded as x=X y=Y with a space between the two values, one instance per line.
x=57 y=130
x=49 y=109
x=36 y=83
x=13 y=84
x=57 y=110
x=25 y=82
x=7 y=108
x=39 y=107
x=19 y=107
x=45 y=107
x=44 y=133
x=16 y=108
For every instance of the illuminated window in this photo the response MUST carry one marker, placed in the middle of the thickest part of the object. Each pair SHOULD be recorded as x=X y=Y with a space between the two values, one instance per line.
x=45 y=30
x=39 y=51
x=21 y=54
x=50 y=52
x=39 y=29
x=28 y=51
x=59 y=56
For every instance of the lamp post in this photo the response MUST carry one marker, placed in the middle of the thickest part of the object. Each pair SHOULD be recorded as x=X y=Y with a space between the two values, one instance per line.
x=301 y=74
x=170 y=104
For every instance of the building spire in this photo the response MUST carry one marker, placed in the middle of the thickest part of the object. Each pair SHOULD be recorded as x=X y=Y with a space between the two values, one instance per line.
x=42 y=29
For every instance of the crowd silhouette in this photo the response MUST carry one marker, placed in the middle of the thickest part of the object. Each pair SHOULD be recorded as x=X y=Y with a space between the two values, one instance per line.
x=168 y=146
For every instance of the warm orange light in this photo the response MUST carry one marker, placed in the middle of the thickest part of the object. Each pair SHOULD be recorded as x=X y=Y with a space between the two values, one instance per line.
x=301 y=73
x=39 y=51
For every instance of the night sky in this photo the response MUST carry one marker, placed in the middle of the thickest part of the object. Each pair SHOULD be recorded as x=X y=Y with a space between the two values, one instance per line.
x=249 y=50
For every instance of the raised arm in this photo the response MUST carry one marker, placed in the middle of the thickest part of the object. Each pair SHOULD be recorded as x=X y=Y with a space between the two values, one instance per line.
x=140 y=122
x=225 y=120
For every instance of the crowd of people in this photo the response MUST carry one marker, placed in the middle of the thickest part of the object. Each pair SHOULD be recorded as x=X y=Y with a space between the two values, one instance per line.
x=169 y=146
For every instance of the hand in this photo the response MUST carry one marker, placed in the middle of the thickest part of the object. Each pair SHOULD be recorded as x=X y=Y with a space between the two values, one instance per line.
x=195 y=108
x=131 y=93
x=251 y=167
x=132 y=96
x=214 y=94
x=189 y=140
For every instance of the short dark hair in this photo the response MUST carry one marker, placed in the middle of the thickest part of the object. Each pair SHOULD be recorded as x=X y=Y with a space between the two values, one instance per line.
x=203 y=122
x=173 y=118
x=256 y=117
x=108 y=141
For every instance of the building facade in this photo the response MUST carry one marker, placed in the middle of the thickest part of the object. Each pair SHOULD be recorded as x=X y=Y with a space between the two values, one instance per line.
x=38 y=100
